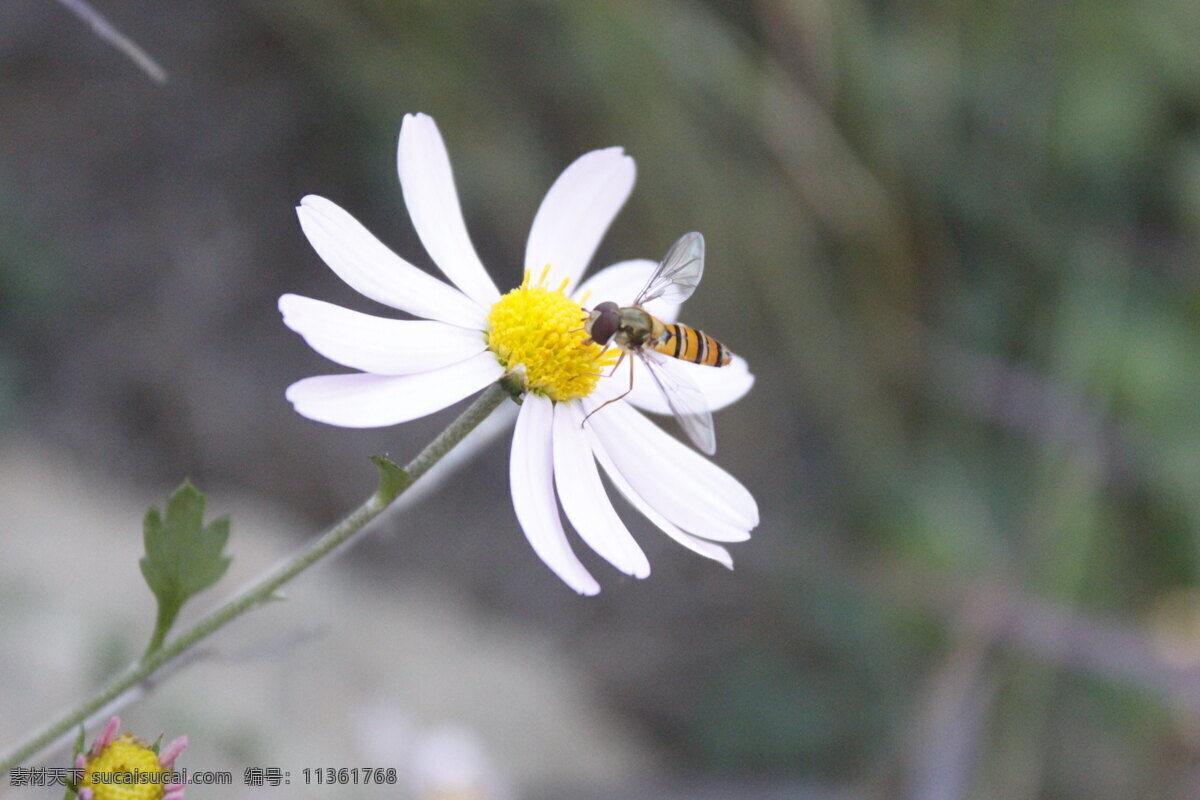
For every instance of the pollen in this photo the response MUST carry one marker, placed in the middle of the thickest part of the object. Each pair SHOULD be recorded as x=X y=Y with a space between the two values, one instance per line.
x=125 y=770
x=543 y=330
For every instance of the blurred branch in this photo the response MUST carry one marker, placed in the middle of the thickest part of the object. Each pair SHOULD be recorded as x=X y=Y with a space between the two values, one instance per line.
x=1108 y=649
x=837 y=186
x=1019 y=398
x=105 y=30
x=951 y=715
x=802 y=37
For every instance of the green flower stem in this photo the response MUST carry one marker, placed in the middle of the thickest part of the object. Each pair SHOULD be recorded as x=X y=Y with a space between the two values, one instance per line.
x=265 y=587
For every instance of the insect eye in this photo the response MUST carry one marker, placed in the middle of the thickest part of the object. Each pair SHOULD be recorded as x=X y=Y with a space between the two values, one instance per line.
x=604 y=322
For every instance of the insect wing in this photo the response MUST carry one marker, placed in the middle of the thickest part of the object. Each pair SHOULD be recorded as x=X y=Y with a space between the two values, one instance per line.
x=685 y=400
x=679 y=273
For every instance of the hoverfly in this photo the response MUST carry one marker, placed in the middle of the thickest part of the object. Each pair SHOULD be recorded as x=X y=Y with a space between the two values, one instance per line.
x=635 y=331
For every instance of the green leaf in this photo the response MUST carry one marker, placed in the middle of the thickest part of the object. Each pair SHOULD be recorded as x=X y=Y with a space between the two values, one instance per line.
x=393 y=479
x=183 y=555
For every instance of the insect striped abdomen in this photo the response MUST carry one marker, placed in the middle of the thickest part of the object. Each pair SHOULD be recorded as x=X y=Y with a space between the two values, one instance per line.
x=689 y=344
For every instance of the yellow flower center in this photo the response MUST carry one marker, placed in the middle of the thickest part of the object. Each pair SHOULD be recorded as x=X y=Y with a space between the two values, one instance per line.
x=125 y=770
x=542 y=329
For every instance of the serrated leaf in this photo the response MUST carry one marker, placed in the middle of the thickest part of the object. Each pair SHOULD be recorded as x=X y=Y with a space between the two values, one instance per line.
x=393 y=479
x=183 y=555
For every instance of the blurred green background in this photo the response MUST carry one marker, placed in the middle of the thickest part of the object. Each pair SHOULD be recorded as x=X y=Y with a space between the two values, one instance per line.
x=957 y=243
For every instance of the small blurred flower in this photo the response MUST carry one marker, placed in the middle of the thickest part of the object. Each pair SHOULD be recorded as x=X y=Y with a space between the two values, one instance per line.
x=443 y=762
x=126 y=768
x=472 y=335
x=451 y=763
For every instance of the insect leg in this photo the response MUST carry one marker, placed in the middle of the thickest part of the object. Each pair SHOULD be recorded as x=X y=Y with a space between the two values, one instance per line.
x=618 y=397
x=618 y=364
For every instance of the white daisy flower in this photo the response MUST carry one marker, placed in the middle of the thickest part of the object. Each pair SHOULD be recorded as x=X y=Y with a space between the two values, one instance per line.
x=470 y=336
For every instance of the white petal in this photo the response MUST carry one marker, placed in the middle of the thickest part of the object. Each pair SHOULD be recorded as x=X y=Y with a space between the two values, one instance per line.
x=694 y=543
x=532 y=482
x=721 y=386
x=375 y=344
x=432 y=202
x=583 y=496
x=363 y=400
x=678 y=482
x=621 y=283
x=375 y=271
x=576 y=212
